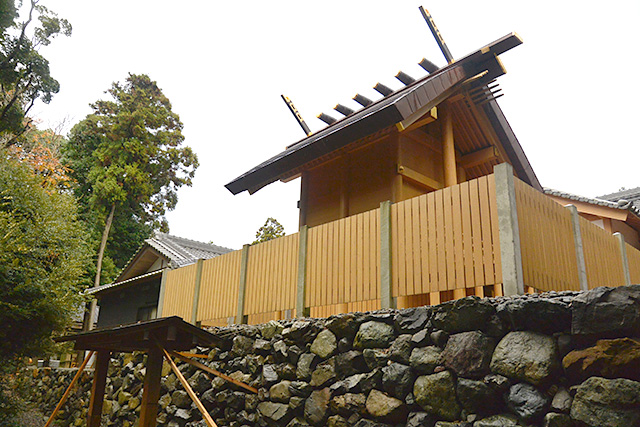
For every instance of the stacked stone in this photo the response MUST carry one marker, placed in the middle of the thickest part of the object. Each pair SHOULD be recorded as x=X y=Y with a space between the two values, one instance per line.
x=49 y=385
x=554 y=359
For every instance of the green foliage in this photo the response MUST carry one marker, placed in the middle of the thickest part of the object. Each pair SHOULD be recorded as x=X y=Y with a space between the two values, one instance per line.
x=42 y=256
x=271 y=229
x=129 y=152
x=24 y=73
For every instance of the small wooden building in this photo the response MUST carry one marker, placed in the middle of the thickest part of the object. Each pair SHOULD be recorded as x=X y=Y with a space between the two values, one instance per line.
x=135 y=293
x=437 y=131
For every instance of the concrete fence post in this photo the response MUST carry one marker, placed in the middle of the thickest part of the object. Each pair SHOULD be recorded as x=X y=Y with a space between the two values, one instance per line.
x=301 y=287
x=163 y=287
x=625 y=260
x=196 y=292
x=577 y=239
x=510 y=249
x=242 y=287
x=386 y=300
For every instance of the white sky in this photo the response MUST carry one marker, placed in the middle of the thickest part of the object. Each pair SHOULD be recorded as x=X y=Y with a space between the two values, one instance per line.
x=570 y=91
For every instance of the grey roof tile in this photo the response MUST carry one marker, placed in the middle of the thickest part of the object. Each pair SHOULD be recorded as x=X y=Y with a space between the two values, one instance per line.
x=181 y=251
x=599 y=201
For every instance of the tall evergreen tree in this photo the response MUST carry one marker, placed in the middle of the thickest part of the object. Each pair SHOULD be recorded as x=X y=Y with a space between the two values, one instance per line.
x=128 y=160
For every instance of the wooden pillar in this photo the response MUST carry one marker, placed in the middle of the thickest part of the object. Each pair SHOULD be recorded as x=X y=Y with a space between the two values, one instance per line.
x=97 y=389
x=509 y=231
x=386 y=300
x=344 y=186
x=196 y=292
x=151 y=391
x=448 y=147
x=462 y=174
x=242 y=288
x=396 y=157
x=301 y=291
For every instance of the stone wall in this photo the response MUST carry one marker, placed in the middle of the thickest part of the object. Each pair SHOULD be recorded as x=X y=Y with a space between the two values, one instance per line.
x=555 y=359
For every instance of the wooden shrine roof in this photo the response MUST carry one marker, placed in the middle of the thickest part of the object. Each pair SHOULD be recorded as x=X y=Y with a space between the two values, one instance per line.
x=402 y=105
x=170 y=333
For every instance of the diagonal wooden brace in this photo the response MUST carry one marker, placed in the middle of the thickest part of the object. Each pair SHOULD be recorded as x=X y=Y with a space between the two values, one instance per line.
x=68 y=390
x=205 y=368
x=189 y=390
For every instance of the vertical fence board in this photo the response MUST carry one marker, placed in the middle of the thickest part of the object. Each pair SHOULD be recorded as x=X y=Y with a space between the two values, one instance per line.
x=449 y=252
x=487 y=244
x=467 y=233
x=179 y=289
x=458 y=238
x=546 y=235
x=495 y=231
x=417 y=250
x=602 y=256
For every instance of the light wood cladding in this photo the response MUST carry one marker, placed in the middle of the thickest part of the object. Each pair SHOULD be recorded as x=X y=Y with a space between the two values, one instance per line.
x=446 y=240
x=601 y=255
x=219 y=287
x=272 y=275
x=444 y=245
x=343 y=259
x=546 y=238
x=178 y=293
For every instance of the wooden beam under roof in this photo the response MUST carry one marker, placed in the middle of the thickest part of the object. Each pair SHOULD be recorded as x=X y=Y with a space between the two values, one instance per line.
x=419 y=119
x=418 y=178
x=478 y=157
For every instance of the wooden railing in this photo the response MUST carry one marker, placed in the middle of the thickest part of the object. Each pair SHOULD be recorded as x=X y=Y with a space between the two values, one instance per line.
x=426 y=250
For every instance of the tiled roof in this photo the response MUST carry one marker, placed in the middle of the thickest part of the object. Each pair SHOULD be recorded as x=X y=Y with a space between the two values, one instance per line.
x=181 y=251
x=630 y=195
x=178 y=250
x=599 y=201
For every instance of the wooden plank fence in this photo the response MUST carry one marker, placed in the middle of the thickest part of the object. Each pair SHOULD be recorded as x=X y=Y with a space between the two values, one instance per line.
x=441 y=246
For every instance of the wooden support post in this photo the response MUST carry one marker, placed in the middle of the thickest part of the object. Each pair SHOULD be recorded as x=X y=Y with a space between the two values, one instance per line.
x=68 y=390
x=344 y=186
x=577 y=239
x=448 y=147
x=97 y=388
x=163 y=287
x=242 y=288
x=301 y=289
x=188 y=389
x=196 y=291
x=509 y=232
x=151 y=390
x=625 y=259
x=386 y=300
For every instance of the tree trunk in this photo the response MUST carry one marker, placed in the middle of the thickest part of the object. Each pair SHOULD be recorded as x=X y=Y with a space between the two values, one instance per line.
x=88 y=318
x=103 y=244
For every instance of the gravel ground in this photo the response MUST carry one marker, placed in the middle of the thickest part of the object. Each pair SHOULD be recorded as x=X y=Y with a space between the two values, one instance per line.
x=31 y=418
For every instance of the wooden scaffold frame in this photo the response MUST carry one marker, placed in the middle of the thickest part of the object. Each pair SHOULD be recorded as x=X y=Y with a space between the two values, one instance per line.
x=162 y=339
